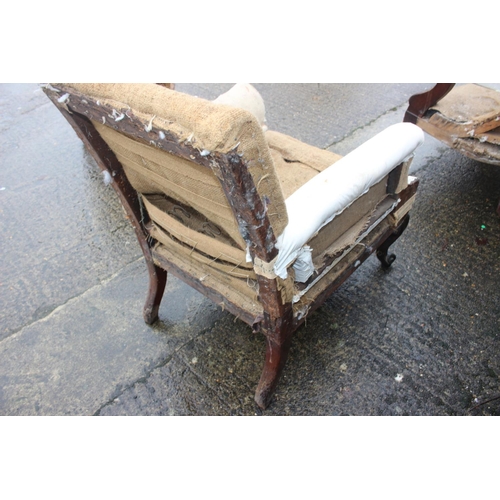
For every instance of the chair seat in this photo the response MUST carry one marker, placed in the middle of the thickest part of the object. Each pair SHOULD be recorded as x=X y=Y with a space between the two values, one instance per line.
x=467 y=111
x=297 y=162
x=467 y=119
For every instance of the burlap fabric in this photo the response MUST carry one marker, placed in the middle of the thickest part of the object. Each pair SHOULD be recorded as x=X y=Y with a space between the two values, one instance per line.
x=152 y=171
x=206 y=126
x=295 y=161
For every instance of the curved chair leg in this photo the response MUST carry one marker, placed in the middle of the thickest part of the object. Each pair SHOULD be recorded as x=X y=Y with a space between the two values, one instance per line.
x=278 y=331
x=157 y=282
x=383 y=254
x=276 y=356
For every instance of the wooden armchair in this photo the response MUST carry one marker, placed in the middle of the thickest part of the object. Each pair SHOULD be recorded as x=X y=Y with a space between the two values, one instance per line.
x=260 y=223
x=466 y=118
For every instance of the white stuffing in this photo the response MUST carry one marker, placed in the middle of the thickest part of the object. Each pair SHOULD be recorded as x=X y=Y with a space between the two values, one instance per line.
x=63 y=98
x=48 y=86
x=330 y=192
x=148 y=127
x=303 y=264
x=107 y=177
x=117 y=116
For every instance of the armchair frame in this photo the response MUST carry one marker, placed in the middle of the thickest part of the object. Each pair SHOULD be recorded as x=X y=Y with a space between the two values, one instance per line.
x=420 y=112
x=278 y=320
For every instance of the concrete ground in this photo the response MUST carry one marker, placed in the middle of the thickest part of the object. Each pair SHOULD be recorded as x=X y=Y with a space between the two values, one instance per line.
x=420 y=339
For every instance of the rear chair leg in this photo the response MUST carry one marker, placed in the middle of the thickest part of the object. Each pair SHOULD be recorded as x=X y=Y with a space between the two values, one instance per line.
x=157 y=282
x=108 y=162
x=383 y=256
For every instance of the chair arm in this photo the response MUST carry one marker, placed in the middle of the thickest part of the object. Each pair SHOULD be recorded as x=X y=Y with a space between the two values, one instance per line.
x=330 y=192
x=418 y=104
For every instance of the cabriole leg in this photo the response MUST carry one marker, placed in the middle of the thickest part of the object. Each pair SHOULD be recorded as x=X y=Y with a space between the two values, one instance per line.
x=157 y=282
x=277 y=347
x=383 y=254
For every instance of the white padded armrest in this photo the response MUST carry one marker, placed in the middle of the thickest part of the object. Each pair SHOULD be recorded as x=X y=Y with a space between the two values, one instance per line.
x=330 y=192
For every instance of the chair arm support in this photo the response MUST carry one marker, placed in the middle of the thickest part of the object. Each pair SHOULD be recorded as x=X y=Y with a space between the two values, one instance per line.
x=330 y=192
x=418 y=104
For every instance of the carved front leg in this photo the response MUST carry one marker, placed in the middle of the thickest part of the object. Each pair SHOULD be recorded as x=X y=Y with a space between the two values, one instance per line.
x=383 y=254
x=278 y=334
x=277 y=326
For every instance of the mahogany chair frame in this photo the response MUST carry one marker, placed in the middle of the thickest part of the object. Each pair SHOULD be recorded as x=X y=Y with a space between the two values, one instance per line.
x=278 y=321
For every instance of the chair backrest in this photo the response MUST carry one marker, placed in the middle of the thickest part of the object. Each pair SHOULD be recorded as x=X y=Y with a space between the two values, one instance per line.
x=181 y=136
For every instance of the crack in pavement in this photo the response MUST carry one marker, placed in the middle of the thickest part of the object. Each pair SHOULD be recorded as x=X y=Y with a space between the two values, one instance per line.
x=51 y=310
x=366 y=125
